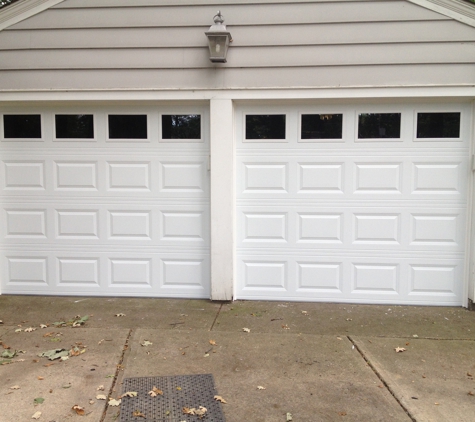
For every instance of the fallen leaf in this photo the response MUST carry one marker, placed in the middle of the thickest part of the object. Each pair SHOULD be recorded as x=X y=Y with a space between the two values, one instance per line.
x=100 y=388
x=38 y=400
x=289 y=417
x=178 y=388
x=154 y=392
x=138 y=414
x=43 y=326
x=305 y=312
x=260 y=387
x=79 y=410
x=470 y=393
x=129 y=394
x=342 y=413
x=400 y=349
x=113 y=402
x=50 y=334
x=220 y=399
x=349 y=319
x=119 y=315
x=37 y=415
x=436 y=403
x=91 y=401
x=8 y=355
x=54 y=354
x=469 y=374
x=101 y=397
x=29 y=330
x=15 y=387
x=41 y=378
x=246 y=330
x=285 y=327
x=100 y=341
x=146 y=343
x=212 y=342
x=18 y=330
x=200 y=412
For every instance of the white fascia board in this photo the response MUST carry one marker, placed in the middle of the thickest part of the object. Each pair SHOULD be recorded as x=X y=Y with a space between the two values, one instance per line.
x=459 y=10
x=23 y=9
x=465 y=92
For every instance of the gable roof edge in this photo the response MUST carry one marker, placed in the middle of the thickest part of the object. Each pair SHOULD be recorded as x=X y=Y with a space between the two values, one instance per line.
x=455 y=9
x=21 y=10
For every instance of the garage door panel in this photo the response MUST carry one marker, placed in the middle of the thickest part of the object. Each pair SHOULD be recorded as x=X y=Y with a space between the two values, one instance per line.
x=98 y=217
x=321 y=220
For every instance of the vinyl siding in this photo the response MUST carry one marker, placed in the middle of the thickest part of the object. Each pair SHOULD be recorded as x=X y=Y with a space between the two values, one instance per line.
x=86 y=44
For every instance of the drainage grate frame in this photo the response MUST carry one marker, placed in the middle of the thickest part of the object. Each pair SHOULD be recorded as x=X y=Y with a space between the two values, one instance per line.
x=179 y=391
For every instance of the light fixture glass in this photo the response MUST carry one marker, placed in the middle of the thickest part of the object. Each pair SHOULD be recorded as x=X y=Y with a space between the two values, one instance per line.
x=218 y=40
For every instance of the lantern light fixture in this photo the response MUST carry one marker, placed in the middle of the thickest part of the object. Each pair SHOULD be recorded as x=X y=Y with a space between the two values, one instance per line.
x=218 y=39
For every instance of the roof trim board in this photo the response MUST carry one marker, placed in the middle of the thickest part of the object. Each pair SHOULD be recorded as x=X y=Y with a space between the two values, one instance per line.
x=23 y=9
x=459 y=10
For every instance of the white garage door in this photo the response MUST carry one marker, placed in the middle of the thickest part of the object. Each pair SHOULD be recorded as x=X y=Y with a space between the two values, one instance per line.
x=105 y=201
x=362 y=203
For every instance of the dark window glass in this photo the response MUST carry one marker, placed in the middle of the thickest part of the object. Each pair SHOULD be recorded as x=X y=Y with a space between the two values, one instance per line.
x=127 y=126
x=321 y=126
x=379 y=125
x=438 y=125
x=265 y=126
x=75 y=126
x=181 y=126
x=22 y=126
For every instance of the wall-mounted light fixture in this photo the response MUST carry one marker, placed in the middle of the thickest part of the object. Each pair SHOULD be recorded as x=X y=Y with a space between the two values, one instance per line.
x=218 y=40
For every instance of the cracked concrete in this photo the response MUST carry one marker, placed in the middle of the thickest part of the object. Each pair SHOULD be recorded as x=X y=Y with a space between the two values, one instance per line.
x=320 y=362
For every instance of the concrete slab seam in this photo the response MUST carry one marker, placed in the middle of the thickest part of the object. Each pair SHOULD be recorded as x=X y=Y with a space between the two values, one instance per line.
x=116 y=375
x=216 y=317
x=381 y=379
x=428 y=338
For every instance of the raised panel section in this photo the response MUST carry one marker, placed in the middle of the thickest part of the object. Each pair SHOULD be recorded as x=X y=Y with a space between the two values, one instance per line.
x=434 y=229
x=434 y=279
x=76 y=175
x=321 y=178
x=320 y=228
x=129 y=224
x=270 y=227
x=437 y=178
x=78 y=272
x=27 y=271
x=26 y=223
x=376 y=278
x=261 y=178
x=182 y=177
x=24 y=175
x=319 y=276
x=77 y=223
x=373 y=228
x=130 y=273
x=378 y=178
x=182 y=225
x=129 y=176
x=269 y=275
x=183 y=273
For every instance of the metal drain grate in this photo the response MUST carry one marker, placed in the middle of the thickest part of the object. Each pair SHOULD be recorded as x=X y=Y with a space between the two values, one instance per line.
x=178 y=392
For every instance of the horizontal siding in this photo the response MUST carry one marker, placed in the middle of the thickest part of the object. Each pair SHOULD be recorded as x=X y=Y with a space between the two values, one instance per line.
x=315 y=56
x=254 y=14
x=161 y=44
x=244 y=36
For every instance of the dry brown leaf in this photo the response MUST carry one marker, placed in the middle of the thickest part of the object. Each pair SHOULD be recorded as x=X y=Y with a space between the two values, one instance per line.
x=37 y=415
x=285 y=327
x=246 y=330
x=101 y=397
x=138 y=414
x=469 y=374
x=399 y=349
x=48 y=334
x=260 y=387
x=43 y=326
x=79 y=410
x=219 y=398
x=41 y=378
x=470 y=393
x=100 y=388
x=113 y=402
x=15 y=387
x=29 y=329
x=129 y=394
x=154 y=392
x=212 y=342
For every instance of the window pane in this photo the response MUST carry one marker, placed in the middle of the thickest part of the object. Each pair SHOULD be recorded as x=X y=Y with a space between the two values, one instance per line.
x=438 y=125
x=22 y=126
x=75 y=126
x=265 y=126
x=181 y=126
x=379 y=125
x=321 y=126
x=127 y=126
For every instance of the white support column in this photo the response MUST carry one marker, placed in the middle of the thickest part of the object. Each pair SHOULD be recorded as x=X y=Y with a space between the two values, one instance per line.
x=470 y=245
x=222 y=198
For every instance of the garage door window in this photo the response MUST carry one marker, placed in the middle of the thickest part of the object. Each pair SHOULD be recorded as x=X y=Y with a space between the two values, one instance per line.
x=265 y=126
x=379 y=125
x=438 y=125
x=74 y=126
x=127 y=126
x=22 y=126
x=181 y=126
x=321 y=126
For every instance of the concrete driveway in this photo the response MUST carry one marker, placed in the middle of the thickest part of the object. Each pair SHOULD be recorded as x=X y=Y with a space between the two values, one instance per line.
x=305 y=361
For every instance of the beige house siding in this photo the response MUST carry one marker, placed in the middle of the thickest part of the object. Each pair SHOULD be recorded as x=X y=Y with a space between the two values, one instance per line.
x=105 y=44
